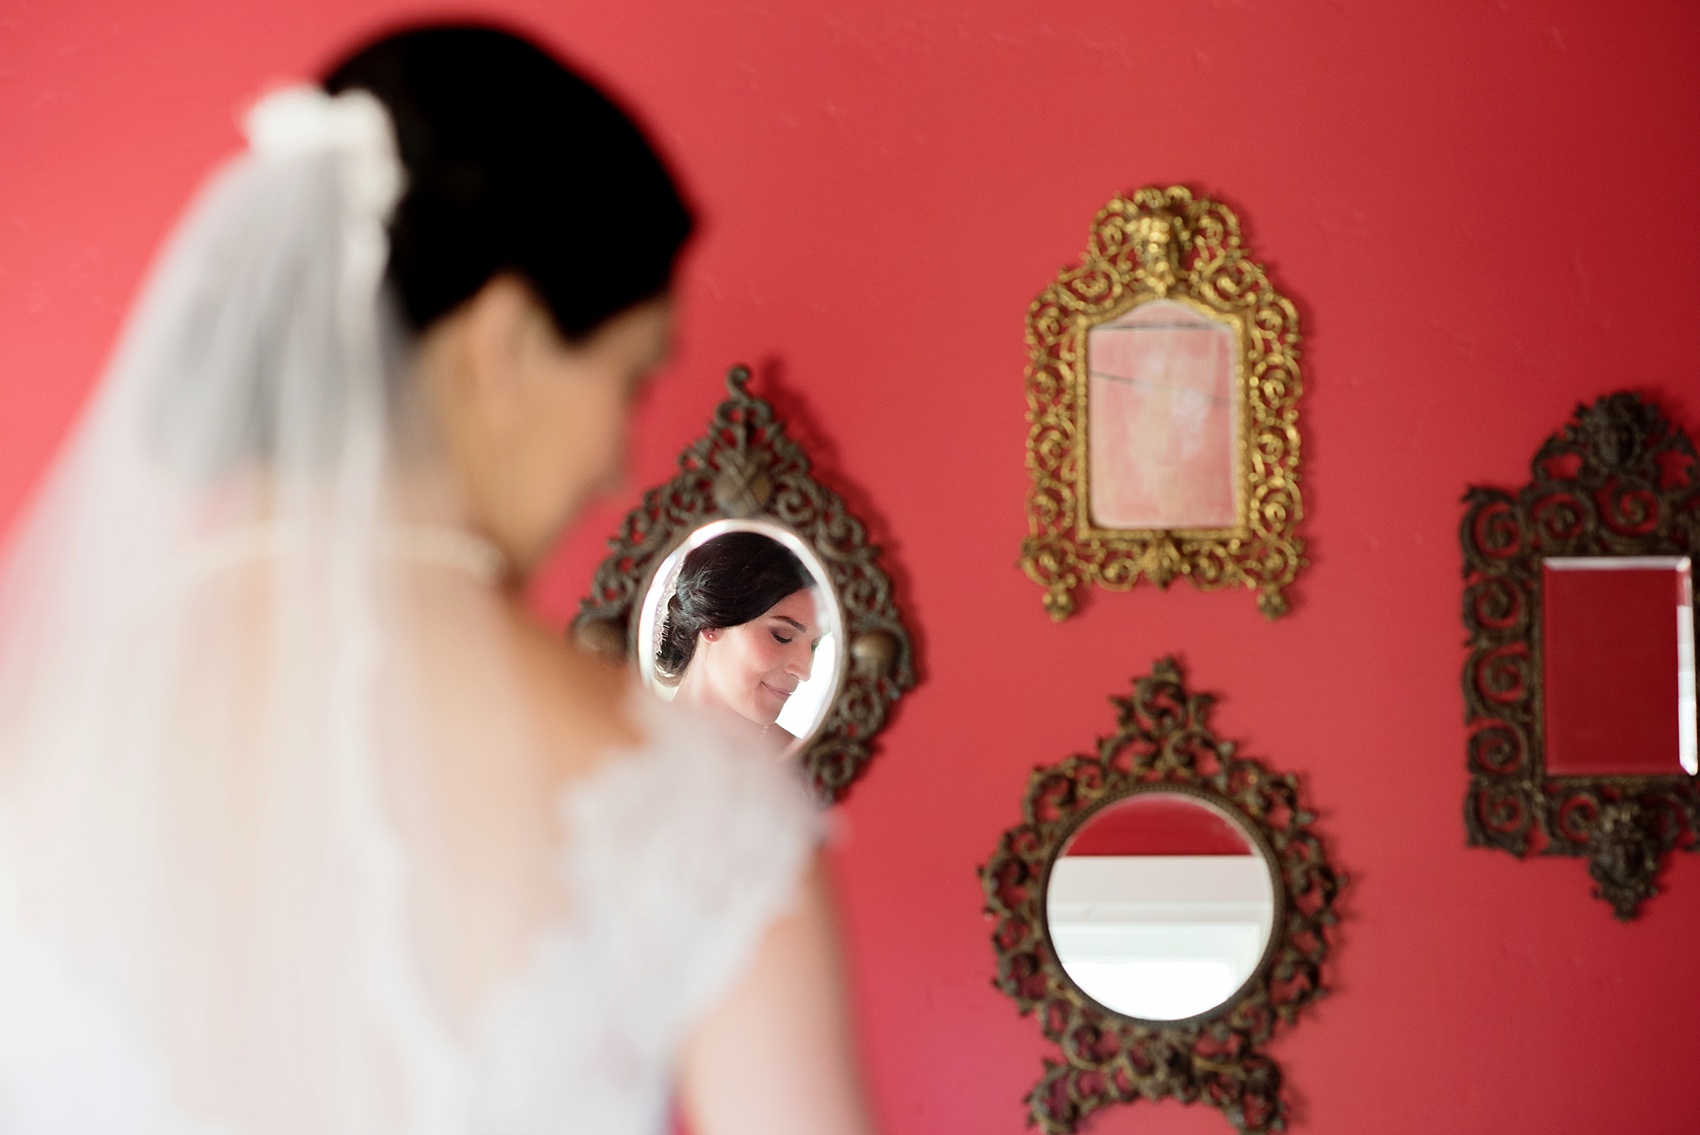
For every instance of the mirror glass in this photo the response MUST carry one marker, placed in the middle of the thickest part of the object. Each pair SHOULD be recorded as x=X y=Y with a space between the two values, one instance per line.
x=1160 y=907
x=1618 y=661
x=1162 y=419
x=742 y=620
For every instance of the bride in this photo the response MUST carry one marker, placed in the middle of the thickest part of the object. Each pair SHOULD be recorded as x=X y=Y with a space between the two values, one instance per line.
x=740 y=633
x=305 y=828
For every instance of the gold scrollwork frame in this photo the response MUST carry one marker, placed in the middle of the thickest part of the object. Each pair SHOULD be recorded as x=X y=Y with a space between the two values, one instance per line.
x=1153 y=244
x=1163 y=742
x=745 y=467
x=1618 y=480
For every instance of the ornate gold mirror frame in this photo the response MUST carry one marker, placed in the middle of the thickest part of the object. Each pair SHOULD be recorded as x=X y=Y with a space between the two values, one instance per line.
x=1619 y=479
x=746 y=468
x=1163 y=741
x=1151 y=245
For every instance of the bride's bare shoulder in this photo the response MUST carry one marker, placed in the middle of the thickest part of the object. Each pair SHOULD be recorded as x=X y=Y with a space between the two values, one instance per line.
x=582 y=701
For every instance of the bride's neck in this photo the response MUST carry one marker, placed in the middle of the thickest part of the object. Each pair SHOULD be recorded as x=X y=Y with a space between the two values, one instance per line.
x=695 y=692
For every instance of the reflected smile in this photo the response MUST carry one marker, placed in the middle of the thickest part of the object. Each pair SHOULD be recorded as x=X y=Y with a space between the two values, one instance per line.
x=782 y=695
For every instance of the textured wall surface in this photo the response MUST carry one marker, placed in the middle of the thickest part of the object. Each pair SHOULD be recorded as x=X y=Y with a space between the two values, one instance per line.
x=1484 y=211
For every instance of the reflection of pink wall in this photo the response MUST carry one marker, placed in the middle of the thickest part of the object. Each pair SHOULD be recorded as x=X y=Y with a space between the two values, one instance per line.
x=1610 y=660
x=1158 y=824
x=1160 y=412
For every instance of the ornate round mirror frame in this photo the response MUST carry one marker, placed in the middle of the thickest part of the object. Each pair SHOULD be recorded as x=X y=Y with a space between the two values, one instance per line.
x=1618 y=480
x=745 y=467
x=1163 y=741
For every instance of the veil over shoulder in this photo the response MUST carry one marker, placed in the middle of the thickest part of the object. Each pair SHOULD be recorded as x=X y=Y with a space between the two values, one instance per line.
x=244 y=630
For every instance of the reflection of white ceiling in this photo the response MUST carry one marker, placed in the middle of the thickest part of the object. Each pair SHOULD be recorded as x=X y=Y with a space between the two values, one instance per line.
x=1160 y=936
x=1115 y=887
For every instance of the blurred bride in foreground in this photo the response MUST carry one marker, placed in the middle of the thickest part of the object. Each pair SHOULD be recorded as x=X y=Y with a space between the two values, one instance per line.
x=305 y=829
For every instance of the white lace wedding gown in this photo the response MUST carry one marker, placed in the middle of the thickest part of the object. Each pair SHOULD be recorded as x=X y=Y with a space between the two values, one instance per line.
x=683 y=851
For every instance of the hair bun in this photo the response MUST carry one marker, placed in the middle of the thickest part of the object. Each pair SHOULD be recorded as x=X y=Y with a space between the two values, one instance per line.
x=497 y=136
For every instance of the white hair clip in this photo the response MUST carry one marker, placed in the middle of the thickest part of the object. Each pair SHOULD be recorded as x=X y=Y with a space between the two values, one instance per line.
x=296 y=121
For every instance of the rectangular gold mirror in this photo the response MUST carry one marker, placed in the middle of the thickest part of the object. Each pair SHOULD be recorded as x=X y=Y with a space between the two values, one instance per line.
x=1162 y=403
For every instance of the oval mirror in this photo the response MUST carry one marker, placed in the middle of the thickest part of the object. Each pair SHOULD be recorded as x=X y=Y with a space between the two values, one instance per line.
x=1160 y=907
x=742 y=619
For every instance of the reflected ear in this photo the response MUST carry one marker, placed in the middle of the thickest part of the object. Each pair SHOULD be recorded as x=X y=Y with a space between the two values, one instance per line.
x=710 y=634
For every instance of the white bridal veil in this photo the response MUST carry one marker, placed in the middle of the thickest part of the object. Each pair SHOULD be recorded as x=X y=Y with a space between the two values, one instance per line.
x=203 y=624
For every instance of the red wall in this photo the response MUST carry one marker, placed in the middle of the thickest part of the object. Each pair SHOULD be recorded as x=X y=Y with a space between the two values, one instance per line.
x=1485 y=212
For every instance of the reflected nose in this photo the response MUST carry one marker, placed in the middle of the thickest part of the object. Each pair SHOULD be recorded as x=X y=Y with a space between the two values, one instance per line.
x=800 y=663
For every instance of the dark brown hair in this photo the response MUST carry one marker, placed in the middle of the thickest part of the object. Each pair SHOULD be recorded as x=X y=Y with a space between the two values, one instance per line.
x=516 y=163
x=728 y=581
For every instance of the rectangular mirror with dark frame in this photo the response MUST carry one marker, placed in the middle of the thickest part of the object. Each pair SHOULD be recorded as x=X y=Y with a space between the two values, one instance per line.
x=1579 y=689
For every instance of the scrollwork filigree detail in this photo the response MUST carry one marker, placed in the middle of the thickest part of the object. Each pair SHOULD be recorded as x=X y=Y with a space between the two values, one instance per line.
x=1619 y=479
x=746 y=467
x=1163 y=740
x=1158 y=243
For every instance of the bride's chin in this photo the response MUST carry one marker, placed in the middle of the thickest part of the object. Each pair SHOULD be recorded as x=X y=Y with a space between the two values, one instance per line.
x=771 y=703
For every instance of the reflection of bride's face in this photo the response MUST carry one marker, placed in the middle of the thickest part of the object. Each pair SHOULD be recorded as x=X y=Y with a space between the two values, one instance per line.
x=753 y=668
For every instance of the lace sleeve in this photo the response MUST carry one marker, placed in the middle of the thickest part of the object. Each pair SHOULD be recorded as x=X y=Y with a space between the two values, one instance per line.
x=684 y=856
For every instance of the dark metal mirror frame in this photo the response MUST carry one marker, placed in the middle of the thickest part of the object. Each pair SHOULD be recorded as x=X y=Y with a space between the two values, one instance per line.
x=1163 y=740
x=1618 y=480
x=745 y=467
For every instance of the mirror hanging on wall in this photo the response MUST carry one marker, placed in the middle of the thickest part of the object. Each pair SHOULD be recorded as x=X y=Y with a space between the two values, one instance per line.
x=1163 y=419
x=1618 y=632
x=743 y=620
x=746 y=587
x=1161 y=908
x=1163 y=410
x=1579 y=688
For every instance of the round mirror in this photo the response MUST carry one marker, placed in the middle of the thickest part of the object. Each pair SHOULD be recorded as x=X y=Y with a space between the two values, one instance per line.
x=742 y=620
x=1160 y=906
